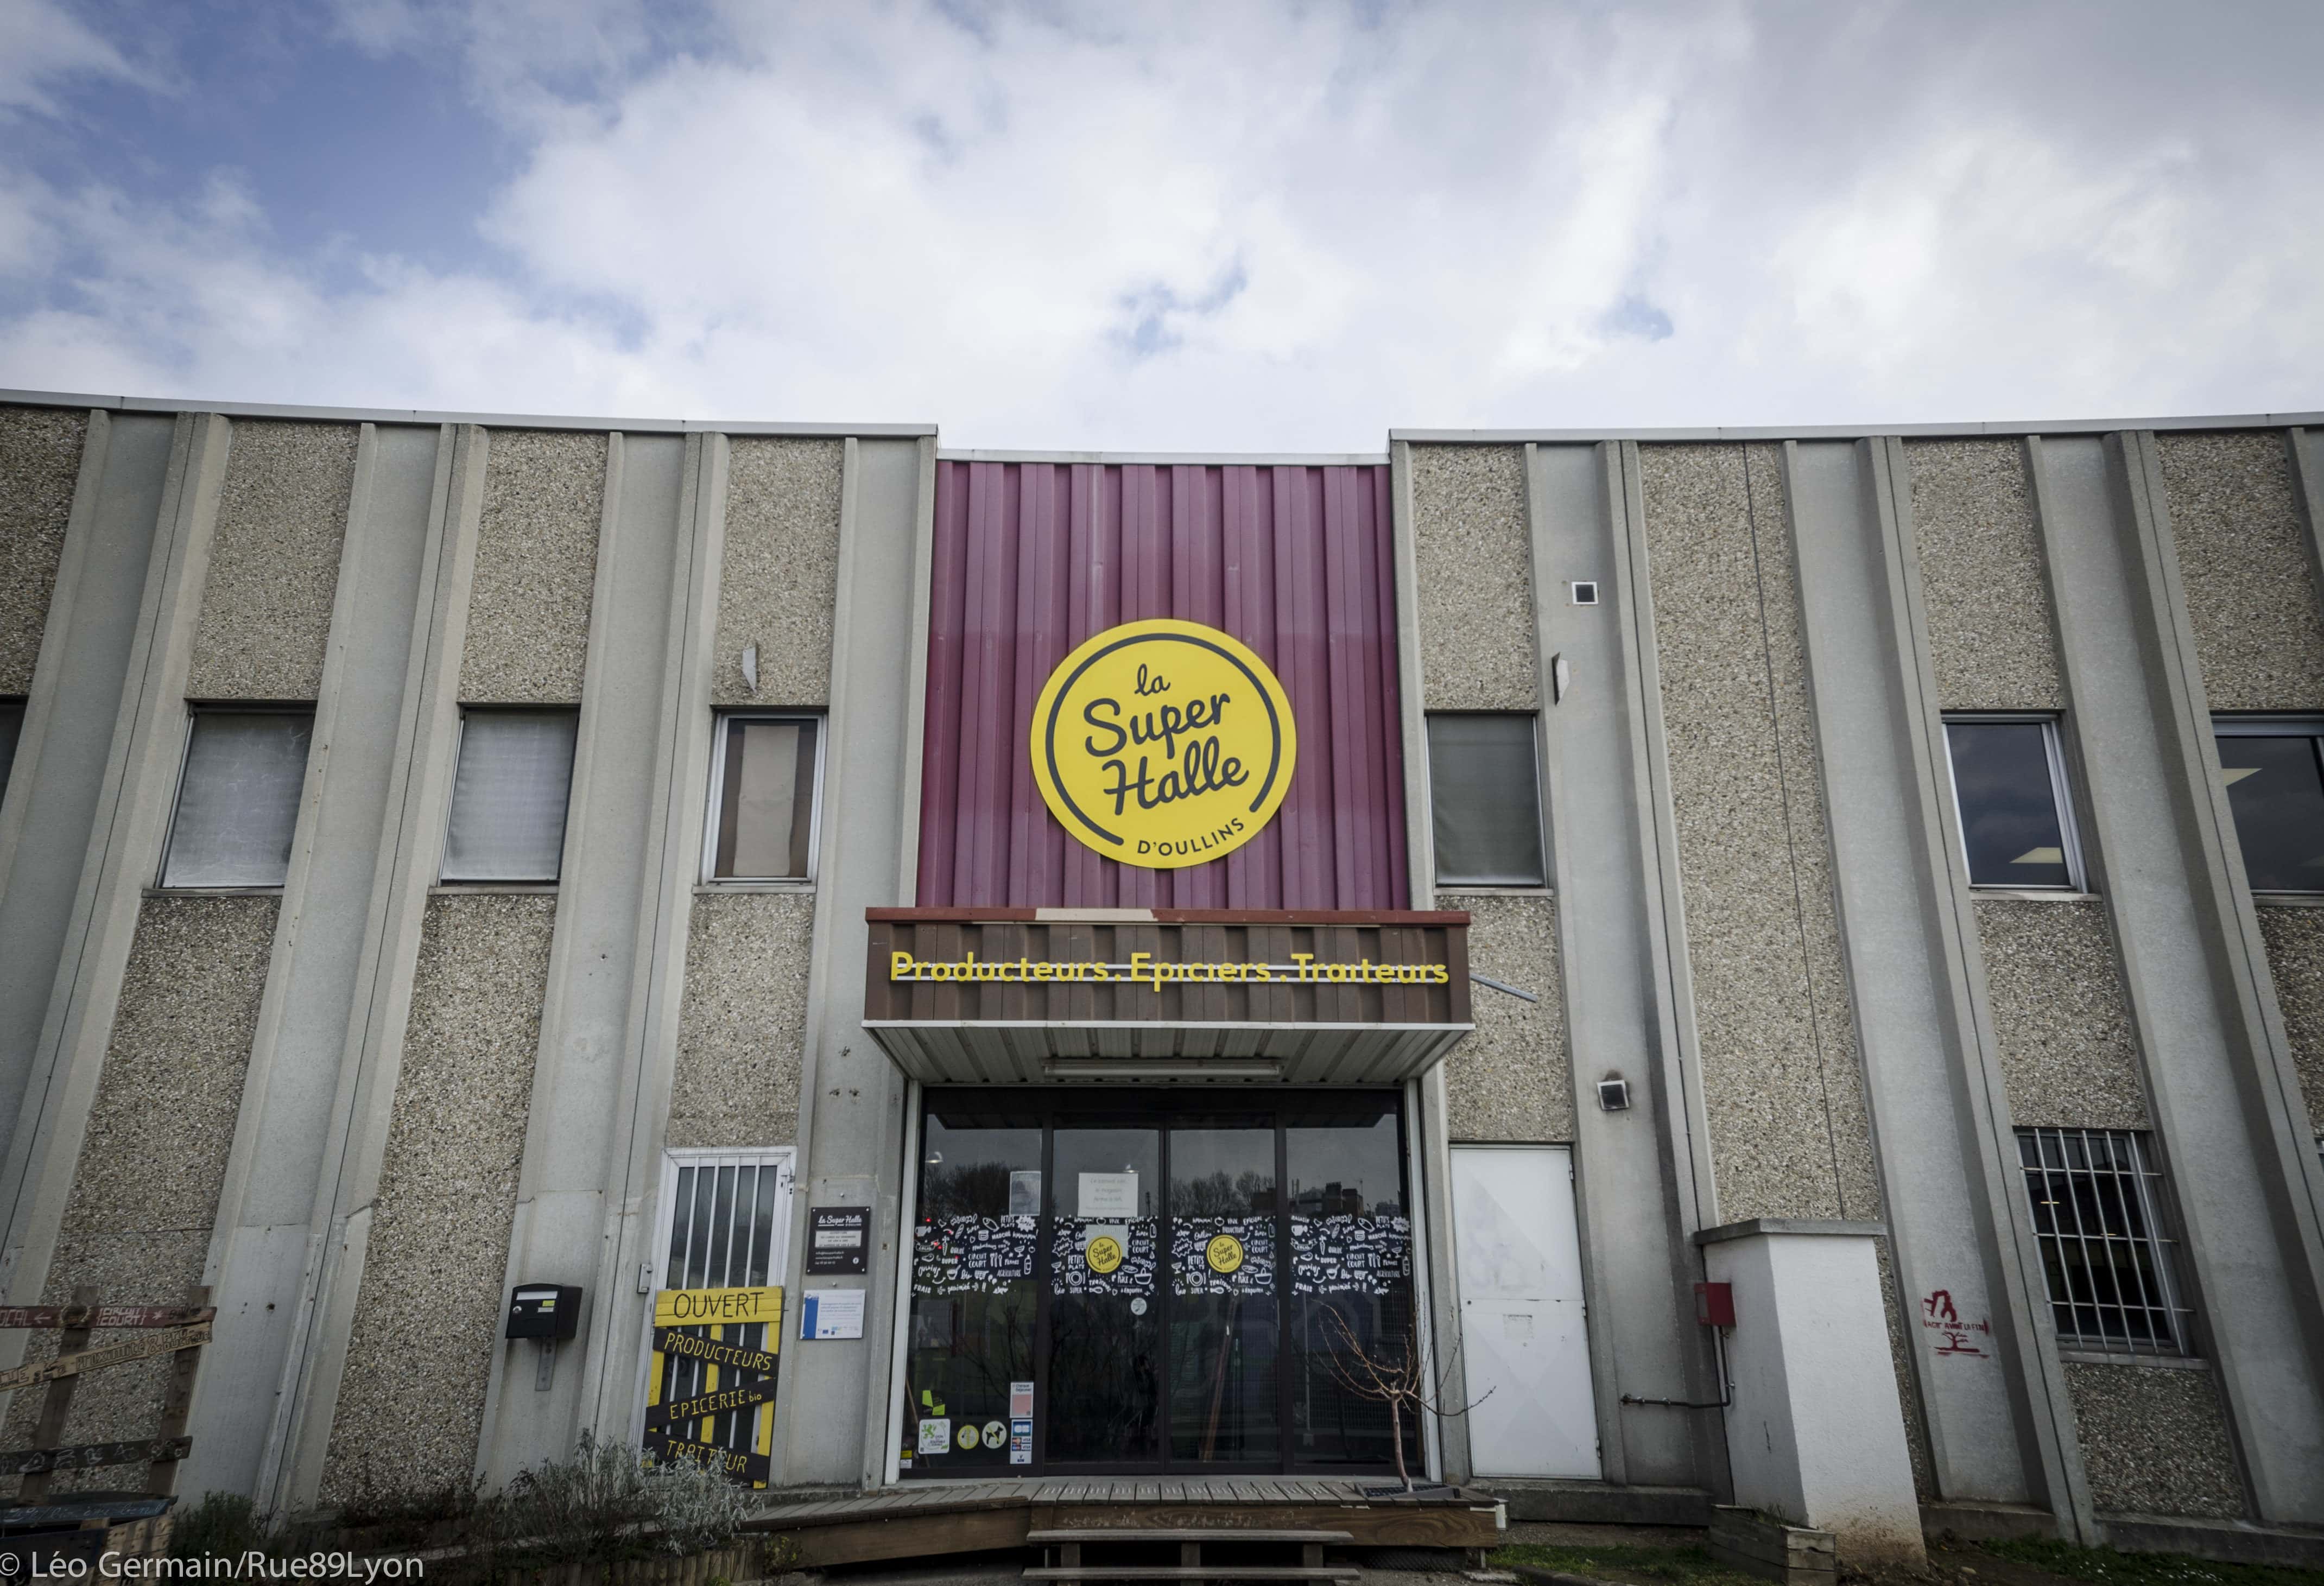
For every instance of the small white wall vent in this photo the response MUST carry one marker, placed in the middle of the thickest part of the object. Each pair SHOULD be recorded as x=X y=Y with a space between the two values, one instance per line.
x=1585 y=593
x=1613 y=1093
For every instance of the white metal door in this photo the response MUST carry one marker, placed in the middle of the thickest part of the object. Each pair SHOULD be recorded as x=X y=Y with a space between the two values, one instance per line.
x=724 y=1222
x=1522 y=1332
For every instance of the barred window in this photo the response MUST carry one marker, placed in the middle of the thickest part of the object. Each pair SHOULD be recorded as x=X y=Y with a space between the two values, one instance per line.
x=2098 y=1210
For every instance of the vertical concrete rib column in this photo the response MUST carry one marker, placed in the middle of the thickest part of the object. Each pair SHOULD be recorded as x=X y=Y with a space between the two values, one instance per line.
x=129 y=815
x=830 y=1424
x=1637 y=1177
x=61 y=755
x=614 y=1370
x=2221 y=1079
x=2307 y=449
x=266 y=1244
x=1431 y=1145
x=1939 y=1116
x=604 y=963
x=413 y=808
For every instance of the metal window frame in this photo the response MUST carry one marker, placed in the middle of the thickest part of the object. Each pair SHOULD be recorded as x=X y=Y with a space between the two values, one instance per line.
x=785 y=1157
x=715 y=796
x=2155 y=1246
x=1532 y=718
x=2275 y=725
x=2070 y=829
x=194 y=712
x=444 y=839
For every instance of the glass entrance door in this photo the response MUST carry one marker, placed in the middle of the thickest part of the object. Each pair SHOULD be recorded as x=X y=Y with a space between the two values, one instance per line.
x=1105 y=1296
x=1123 y=1281
x=1225 y=1313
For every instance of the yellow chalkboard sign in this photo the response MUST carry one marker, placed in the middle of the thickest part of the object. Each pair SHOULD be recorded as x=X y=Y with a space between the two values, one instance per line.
x=1163 y=743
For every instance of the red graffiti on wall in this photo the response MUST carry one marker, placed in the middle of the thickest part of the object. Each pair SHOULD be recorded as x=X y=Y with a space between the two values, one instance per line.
x=1939 y=1315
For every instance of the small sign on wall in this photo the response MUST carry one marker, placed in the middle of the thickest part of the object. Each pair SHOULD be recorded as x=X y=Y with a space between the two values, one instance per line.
x=838 y=1240
x=831 y=1312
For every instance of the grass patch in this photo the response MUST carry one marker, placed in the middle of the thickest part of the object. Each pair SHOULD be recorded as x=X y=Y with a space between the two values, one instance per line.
x=2110 y=1568
x=1648 y=1566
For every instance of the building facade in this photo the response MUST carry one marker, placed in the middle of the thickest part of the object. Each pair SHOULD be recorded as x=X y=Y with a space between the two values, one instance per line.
x=1787 y=965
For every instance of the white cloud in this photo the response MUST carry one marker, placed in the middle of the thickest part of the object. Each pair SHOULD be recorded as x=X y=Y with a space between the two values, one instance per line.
x=41 y=43
x=1252 y=227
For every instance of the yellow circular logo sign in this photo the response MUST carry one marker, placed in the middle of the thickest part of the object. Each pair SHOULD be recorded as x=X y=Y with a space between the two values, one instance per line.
x=1163 y=743
x=1225 y=1253
x=1103 y=1254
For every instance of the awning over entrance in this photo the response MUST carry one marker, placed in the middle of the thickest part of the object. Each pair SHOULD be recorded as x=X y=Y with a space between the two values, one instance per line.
x=1045 y=996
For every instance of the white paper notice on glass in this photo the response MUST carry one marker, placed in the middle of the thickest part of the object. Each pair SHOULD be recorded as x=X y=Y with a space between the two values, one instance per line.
x=831 y=1312
x=1025 y=1193
x=1020 y=1400
x=1109 y=1194
x=936 y=1437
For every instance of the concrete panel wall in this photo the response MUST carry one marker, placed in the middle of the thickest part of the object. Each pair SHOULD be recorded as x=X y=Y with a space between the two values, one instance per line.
x=1781 y=1082
x=1513 y=1079
x=1476 y=612
x=2219 y=1078
x=1981 y=583
x=427 y=1320
x=2069 y=1052
x=62 y=757
x=2155 y=1441
x=2257 y=616
x=274 y=562
x=782 y=570
x=743 y=1030
x=2296 y=957
x=137 y=1224
x=536 y=567
x=39 y=460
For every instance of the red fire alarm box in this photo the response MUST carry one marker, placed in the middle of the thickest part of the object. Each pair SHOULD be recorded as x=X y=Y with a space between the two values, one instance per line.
x=1714 y=1304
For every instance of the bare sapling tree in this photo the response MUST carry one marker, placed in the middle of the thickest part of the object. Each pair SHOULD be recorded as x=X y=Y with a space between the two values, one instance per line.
x=1397 y=1375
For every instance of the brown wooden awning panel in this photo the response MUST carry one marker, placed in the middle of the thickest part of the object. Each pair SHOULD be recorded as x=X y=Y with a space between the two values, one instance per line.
x=1072 y=996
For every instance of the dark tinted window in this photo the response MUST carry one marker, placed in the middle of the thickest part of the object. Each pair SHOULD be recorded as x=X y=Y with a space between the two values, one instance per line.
x=2275 y=787
x=2008 y=804
x=1484 y=781
x=12 y=722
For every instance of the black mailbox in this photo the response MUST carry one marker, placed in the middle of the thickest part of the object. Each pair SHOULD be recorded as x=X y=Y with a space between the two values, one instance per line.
x=544 y=1310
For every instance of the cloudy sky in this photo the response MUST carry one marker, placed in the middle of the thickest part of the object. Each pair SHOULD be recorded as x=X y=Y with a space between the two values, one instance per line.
x=1240 y=226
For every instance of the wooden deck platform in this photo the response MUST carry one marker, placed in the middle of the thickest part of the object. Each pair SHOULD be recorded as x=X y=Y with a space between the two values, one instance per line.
x=926 y=1519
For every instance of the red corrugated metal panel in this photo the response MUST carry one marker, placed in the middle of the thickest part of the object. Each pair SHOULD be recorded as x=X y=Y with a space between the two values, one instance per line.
x=1031 y=558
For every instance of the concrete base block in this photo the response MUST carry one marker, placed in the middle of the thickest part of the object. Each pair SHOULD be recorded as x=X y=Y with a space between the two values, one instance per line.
x=1599 y=1503
x=1986 y=1522
x=1792 y=1555
x=2229 y=1541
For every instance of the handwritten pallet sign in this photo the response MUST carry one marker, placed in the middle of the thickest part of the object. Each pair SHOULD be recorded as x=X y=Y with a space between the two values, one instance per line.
x=111 y=1354
x=101 y=1316
x=91 y=1456
x=180 y=1332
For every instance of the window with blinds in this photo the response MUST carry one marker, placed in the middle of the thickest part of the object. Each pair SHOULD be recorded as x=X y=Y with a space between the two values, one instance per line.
x=508 y=794
x=1484 y=784
x=238 y=799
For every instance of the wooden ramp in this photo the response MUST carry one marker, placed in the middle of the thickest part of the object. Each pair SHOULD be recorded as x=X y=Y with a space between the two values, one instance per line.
x=927 y=1519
